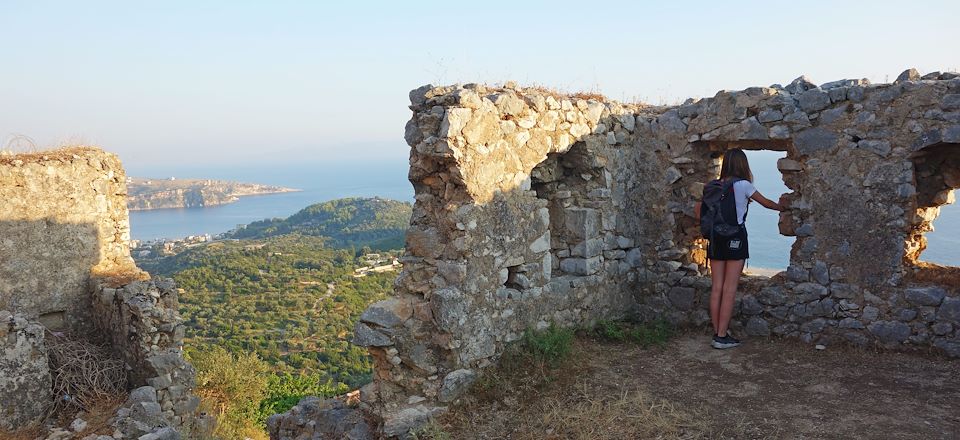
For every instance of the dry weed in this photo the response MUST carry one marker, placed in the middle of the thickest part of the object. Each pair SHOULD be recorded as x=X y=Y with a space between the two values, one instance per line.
x=520 y=399
x=84 y=375
x=26 y=433
x=39 y=155
x=589 y=414
x=118 y=276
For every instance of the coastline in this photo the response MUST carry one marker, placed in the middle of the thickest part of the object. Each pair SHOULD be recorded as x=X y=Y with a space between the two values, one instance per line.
x=762 y=271
x=235 y=197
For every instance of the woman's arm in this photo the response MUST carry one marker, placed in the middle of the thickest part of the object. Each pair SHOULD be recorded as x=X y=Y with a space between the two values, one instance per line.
x=696 y=211
x=767 y=203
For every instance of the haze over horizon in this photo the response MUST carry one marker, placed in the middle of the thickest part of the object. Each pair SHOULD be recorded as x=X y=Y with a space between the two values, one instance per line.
x=182 y=84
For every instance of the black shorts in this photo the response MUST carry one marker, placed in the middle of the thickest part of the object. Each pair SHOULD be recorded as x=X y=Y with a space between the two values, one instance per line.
x=729 y=248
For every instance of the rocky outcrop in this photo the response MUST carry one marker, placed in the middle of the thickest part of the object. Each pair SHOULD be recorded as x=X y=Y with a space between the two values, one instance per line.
x=191 y=193
x=25 y=382
x=535 y=208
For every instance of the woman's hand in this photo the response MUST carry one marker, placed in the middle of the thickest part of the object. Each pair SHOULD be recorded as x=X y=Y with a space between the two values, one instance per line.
x=767 y=203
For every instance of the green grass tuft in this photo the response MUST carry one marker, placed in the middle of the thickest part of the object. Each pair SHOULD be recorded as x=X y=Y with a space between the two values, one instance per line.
x=430 y=431
x=645 y=334
x=551 y=345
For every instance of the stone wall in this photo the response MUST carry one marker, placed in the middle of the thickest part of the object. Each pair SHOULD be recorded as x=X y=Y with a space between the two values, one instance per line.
x=64 y=217
x=25 y=387
x=142 y=321
x=535 y=208
x=65 y=263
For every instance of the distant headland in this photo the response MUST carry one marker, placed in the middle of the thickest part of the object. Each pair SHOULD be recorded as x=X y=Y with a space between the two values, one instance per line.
x=144 y=194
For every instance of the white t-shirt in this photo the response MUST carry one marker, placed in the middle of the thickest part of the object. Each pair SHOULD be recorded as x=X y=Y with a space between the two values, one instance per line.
x=742 y=191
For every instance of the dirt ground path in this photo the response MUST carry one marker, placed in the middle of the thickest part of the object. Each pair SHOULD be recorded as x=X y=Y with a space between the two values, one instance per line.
x=783 y=389
x=766 y=388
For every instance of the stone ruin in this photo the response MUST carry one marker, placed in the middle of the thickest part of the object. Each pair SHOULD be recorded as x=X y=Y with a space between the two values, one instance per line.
x=534 y=208
x=66 y=271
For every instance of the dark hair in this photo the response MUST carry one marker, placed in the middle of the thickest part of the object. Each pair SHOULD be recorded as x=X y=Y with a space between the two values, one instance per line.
x=735 y=165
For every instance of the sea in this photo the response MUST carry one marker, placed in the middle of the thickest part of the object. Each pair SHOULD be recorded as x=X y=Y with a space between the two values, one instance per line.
x=769 y=251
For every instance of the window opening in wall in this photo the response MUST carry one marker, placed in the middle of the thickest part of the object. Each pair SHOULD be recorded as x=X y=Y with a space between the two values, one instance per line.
x=936 y=226
x=943 y=243
x=769 y=251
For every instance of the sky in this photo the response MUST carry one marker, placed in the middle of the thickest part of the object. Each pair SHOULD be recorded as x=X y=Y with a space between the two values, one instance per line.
x=242 y=83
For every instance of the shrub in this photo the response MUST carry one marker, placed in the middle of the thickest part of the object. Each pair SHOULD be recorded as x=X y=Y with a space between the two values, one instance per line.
x=231 y=387
x=609 y=330
x=550 y=346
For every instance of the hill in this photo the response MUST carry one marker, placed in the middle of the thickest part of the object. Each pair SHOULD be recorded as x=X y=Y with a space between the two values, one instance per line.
x=352 y=222
x=289 y=298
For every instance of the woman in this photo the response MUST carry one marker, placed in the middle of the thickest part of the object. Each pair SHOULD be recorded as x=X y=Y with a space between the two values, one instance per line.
x=728 y=254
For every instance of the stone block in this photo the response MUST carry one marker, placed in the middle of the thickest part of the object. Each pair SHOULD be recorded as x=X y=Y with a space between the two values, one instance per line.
x=890 y=332
x=820 y=273
x=910 y=74
x=951 y=134
x=757 y=326
x=814 y=100
x=580 y=266
x=387 y=313
x=815 y=326
x=773 y=296
x=807 y=292
x=843 y=291
x=587 y=248
x=850 y=323
x=455 y=383
x=950 y=102
x=365 y=336
x=788 y=165
x=949 y=310
x=925 y=296
x=399 y=423
x=770 y=115
x=750 y=305
x=582 y=223
x=813 y=140
x=682 y=297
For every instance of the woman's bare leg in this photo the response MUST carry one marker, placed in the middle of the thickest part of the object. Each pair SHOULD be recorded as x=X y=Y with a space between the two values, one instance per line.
x=731 y=279
x=717 y=273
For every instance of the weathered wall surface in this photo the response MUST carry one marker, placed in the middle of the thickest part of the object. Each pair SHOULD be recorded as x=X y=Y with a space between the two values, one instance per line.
x=64 y=217
x=65 y=263
x=534 y=208
x=25 y=387
x=144 y=327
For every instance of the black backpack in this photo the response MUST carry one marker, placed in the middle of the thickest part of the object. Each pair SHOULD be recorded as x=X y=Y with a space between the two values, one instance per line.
x=718 y=210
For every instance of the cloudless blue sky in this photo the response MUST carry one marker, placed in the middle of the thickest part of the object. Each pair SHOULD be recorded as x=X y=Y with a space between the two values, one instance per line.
x=272 y=82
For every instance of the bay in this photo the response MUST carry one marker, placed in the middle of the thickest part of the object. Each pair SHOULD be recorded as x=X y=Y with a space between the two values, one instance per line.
x=318 y=182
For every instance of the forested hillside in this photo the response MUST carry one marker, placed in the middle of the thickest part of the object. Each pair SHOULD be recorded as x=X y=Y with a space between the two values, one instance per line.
x=283 y=306
x=377 y=223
